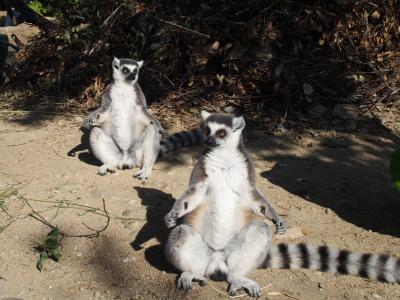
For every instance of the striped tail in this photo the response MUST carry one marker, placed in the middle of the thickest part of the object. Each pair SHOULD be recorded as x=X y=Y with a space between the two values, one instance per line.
x=379 y=267
x=180 y=140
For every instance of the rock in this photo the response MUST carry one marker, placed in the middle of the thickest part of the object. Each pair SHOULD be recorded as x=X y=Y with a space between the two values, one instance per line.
x=308 y=89
x=346 y=112
x=317 y=110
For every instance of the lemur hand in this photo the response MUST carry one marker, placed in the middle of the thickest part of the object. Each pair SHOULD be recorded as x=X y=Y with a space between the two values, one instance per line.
x=170 y=219
x=163 y=133
x=280 y=226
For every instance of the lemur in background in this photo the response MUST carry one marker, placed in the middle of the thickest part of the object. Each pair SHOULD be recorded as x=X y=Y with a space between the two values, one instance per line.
x=122 y=133
x=223 y=236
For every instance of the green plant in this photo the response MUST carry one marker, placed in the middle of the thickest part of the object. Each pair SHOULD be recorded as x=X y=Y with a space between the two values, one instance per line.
x=37 y=7
x=395 y=169
x=55 y=8
x=50 y=248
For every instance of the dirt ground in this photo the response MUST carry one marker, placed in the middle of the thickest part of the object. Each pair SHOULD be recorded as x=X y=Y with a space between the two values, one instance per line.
x=334 y=186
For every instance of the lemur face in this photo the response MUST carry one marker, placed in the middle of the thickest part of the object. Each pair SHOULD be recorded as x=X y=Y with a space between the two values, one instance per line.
x=221 y=129
x=126 y=70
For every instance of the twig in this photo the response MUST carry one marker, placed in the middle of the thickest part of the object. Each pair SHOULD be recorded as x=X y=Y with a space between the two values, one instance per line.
x=184 y=28
x=84 y=207
x=96 y=233
x=289 y=296
x=39 y=112
x=110 y=16
x=10 y=45
x=348 y=34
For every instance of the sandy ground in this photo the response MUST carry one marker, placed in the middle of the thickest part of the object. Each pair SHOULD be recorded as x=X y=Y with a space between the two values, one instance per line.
x=335 y=187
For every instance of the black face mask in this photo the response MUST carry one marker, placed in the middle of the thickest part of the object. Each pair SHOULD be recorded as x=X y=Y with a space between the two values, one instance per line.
x=131 y=77
x=210 y=141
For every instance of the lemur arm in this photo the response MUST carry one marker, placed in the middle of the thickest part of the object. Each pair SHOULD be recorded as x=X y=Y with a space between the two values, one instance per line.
x=258 y=203
x=262 y=207
x=141 y=101
x=191 y=198
x=92 y=118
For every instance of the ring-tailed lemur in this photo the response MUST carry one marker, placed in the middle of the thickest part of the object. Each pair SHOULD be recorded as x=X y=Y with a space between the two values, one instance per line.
x=129 y=134
x=223 y=236
x=123 y=133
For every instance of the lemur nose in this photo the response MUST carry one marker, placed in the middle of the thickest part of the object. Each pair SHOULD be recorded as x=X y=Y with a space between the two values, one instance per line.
x=210 y=141
x=131 y=76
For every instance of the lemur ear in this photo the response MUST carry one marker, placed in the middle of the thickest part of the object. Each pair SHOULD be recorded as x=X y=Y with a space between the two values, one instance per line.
x=238 y=123
x=140 y=63
x=116 y=63
x=205 y=114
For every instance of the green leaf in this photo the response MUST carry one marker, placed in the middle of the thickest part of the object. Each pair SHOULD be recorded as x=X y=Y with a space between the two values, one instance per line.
x=42 y=259
x=54 y=254
x=54 y=232
x=395 y=169
x=51 y=242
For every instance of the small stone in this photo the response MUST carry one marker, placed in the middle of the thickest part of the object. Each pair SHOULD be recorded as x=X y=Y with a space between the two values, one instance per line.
x=376 y=296
x=128 y=213
x=78 y=119
x=79 y=254
x=215 y=45
x=308 y=89
x=346 y=112
x=229 y=109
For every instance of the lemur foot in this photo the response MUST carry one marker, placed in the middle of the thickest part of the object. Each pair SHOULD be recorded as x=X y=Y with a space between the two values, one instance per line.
x=102 y=171
x=142 y=175
x=185 y=281
x=164 y=134
x=251 y=287
x=281 y=226
x=170 y=219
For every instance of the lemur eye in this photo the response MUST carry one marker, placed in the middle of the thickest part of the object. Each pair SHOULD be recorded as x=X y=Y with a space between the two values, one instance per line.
x=134 y=72
x=221 y=133
x=207 y=130
x=125 y=70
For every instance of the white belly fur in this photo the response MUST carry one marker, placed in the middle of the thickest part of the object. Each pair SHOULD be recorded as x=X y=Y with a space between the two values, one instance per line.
x=223 y=216
x=124 y=116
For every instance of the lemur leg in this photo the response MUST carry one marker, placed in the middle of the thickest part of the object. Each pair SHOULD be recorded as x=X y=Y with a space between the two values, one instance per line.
x=105 y=150
x=187 y=251
x=151 y=148
x=138 y=154
x=246 y=252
